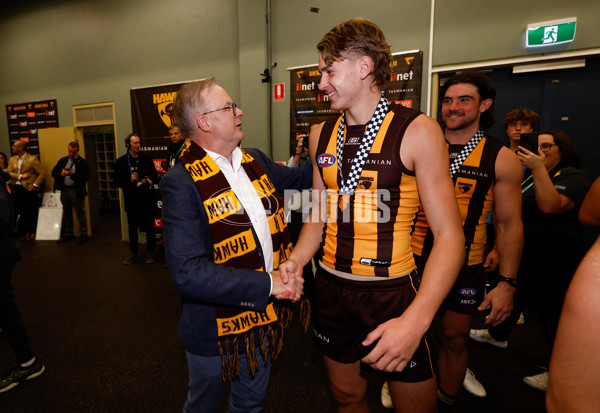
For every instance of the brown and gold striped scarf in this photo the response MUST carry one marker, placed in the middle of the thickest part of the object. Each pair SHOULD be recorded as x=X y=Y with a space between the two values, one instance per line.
x=235 y=245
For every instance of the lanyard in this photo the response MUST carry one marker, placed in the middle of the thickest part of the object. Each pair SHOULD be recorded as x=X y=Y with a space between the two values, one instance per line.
x=174 y=157
x=129 y=163
x=528 y=186
x=466 y=151
x=531 y=184
x=358 y=163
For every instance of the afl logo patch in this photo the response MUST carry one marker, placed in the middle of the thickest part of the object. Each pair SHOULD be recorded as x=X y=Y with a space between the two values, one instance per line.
x=468 y=292
x=325 y=160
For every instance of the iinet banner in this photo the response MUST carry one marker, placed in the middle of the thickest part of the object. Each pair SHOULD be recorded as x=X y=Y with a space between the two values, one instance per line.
x=310 y=105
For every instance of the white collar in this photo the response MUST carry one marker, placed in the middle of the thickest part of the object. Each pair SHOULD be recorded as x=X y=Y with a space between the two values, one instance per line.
x=236 y=158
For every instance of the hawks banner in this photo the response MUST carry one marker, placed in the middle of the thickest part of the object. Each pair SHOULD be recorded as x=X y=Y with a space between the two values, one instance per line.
x=151 y=116
x=310 y=105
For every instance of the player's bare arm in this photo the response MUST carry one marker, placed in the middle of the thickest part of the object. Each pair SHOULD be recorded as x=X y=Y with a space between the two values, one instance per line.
x=508 y=228
x=424 y=151
x=312 y=230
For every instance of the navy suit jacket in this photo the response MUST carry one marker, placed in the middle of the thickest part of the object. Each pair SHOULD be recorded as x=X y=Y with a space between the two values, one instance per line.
x=189 y=253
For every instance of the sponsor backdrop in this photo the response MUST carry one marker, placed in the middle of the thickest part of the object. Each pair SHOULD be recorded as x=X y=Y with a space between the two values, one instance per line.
x=151 y=116
x=310 y=105
x=25 y=119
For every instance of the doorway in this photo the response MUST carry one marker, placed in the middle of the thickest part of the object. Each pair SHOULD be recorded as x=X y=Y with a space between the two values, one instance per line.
x=100 y=150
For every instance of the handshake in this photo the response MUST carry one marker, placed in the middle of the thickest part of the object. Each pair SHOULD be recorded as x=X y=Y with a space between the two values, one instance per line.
x=288 y=282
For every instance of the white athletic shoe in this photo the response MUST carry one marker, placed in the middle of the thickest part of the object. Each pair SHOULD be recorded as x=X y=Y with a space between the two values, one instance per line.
x=538 y=382
x=473 y=386
x=386 y=399
x=483 y=336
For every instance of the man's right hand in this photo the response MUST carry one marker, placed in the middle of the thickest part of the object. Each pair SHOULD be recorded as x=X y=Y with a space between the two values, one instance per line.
x=289 y=268
x=287 y=288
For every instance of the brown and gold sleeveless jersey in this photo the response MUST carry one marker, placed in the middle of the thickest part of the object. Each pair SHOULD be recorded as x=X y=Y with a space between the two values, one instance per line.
x=368 y=233
x=473 y=184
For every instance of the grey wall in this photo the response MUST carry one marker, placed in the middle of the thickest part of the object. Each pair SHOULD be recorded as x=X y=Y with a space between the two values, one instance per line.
x=96 y=51
x=478 y=30
x=83 y=52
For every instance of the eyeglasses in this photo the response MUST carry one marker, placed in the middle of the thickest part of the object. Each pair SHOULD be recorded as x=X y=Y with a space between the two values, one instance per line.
x=546 y=146
x=232 y=106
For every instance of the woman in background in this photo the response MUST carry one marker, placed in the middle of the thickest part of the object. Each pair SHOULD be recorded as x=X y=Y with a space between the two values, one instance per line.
x=554 y=245
x=3 y=161
x=553 y=191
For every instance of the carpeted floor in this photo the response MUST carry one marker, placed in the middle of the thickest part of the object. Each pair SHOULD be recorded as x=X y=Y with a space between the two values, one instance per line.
x=107 y=335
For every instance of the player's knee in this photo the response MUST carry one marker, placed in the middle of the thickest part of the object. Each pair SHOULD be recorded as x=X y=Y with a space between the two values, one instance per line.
x=347 y=396
x=455 y=341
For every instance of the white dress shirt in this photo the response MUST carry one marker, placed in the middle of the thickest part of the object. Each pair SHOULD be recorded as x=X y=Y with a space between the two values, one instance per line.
x=242 y=187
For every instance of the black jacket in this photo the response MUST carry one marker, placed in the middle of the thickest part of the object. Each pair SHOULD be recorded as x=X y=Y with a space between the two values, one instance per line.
x=136 y=197
x=81 y=175
x=9 y=247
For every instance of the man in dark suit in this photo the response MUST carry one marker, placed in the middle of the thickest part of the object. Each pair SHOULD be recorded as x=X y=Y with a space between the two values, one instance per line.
x=70 y=177
x=136 y=175
x=225 y=235
x=176 y=146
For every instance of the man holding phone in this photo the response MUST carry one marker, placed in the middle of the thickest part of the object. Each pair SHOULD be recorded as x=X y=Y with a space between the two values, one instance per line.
x=70 y=177
x=301 y=149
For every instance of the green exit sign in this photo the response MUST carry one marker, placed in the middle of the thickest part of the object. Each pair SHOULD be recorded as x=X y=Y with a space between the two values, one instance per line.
x=551 y=32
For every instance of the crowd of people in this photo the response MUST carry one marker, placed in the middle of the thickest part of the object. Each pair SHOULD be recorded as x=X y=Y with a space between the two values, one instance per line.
x=469 y=226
